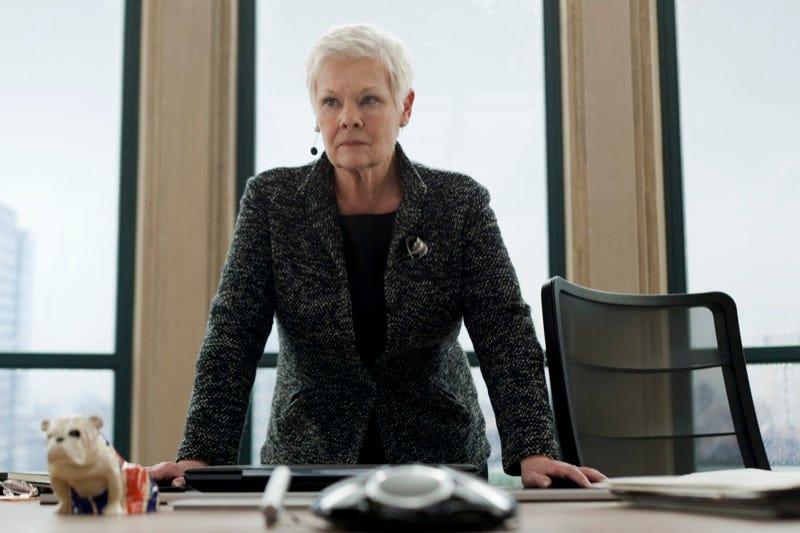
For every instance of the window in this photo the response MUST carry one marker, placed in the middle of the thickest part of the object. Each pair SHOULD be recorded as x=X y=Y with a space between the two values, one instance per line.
x=738 y=110
x=66 y=218
x=61 y=101
x=479 y=109
x=46 y=394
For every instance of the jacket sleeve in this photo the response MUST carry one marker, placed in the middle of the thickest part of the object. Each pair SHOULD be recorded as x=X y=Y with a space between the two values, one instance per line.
x=238 y=325
x=500 y=326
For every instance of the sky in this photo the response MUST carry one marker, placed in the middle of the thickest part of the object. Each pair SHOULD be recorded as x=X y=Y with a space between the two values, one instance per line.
x=739 y=82
x=60 y=103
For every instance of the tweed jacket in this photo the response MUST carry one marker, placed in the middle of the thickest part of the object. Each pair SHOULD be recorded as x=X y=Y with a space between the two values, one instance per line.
x=286 y=262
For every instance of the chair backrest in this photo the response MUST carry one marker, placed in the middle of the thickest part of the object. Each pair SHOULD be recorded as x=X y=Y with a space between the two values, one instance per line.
x=649 y=384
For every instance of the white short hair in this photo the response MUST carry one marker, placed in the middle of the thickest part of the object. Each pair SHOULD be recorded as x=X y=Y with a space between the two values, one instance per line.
x=358 y=41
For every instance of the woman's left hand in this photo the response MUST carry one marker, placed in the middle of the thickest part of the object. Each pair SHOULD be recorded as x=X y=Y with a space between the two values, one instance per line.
x=540 y=470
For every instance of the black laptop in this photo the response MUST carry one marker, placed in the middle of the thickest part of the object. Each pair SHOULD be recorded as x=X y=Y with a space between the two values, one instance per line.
x=253 y=478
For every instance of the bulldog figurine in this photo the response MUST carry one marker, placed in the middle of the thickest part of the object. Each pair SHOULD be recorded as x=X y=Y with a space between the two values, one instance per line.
x=88 y=475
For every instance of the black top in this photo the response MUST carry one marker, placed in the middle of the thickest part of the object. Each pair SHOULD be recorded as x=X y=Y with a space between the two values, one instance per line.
x=366 y=246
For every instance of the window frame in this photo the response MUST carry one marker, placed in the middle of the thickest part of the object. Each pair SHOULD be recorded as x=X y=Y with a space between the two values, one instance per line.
x=120 y=360
x=673 y=177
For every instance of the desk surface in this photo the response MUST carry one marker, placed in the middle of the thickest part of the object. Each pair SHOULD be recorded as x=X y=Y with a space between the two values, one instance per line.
x=610 y=517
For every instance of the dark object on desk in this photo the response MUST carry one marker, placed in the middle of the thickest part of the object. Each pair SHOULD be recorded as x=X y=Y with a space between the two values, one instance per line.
x=564 y=483
x=253 y=478
x=649 y=384
x=415 y=498
x=169 y=488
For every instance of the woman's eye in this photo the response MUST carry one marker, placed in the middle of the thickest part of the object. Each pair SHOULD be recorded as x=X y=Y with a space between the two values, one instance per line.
x=369 y=100
x=329 y=101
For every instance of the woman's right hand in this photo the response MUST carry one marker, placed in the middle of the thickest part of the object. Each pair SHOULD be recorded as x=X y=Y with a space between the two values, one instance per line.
x=166 y=471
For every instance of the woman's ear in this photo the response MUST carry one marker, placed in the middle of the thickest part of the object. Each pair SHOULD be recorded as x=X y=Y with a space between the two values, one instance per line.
x=408 y=103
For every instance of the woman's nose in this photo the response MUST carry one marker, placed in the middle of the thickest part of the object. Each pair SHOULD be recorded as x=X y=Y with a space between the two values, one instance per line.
x=350 y=117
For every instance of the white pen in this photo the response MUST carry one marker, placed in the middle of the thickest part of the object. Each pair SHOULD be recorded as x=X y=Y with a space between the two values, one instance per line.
x=274 y=492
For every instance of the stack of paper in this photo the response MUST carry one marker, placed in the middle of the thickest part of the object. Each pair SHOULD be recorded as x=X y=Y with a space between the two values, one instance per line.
x=19 y=486
x=32 y=477
x=747 y=491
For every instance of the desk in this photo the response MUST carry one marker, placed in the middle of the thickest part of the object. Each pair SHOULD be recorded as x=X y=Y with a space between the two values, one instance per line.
x=610 y=517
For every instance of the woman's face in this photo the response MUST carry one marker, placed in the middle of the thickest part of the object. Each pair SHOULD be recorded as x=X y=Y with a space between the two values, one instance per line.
x=357 y=114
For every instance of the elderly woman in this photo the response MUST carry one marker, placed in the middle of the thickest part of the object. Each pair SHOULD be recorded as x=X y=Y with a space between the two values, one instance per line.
x=368 y=262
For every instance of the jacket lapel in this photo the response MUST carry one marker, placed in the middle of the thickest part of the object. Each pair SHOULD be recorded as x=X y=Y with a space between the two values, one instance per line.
x=408 y=213
x=399 y=261
x=323 y=212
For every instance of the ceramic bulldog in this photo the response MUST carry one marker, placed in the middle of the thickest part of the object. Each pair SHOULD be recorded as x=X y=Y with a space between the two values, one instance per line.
x=88 y=475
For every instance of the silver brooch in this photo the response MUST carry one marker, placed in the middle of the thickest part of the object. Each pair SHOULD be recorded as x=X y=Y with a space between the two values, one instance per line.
x=416 y=247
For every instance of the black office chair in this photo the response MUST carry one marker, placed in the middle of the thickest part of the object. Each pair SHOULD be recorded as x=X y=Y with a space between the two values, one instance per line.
x=649 y=384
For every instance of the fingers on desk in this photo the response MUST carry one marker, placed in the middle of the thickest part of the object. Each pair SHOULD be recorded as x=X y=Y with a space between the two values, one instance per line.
x=165 y=471
x=592 y=474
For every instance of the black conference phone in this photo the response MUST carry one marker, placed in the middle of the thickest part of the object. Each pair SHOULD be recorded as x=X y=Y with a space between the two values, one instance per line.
x=415 y=497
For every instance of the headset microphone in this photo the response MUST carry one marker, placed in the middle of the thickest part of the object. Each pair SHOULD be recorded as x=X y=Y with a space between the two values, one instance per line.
x=314 y=150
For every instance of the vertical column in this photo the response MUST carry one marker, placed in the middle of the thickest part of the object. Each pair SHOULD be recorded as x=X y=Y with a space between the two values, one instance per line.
x=186 y=204
x=613 y=191
x=613 y=187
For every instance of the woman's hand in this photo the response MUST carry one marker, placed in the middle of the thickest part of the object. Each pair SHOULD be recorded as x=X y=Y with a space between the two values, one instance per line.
x=163 y=472
x=540 y=470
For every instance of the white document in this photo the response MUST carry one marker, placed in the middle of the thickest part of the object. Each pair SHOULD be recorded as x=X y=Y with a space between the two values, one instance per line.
x=739 y=481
